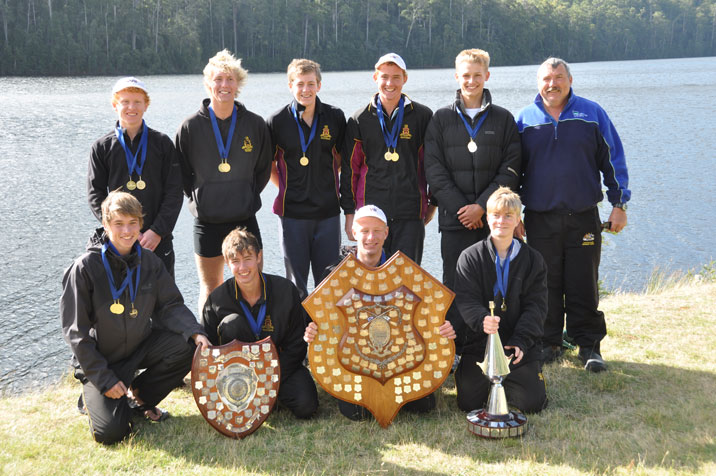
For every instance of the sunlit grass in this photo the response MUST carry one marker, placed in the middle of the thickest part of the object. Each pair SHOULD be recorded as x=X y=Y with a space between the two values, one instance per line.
x=653 y=413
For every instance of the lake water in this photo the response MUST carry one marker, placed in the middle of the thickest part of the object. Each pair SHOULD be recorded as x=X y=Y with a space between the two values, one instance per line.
x=664 y=111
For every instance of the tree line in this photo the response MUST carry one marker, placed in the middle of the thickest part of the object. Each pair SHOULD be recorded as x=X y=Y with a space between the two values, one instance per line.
x=118 y=37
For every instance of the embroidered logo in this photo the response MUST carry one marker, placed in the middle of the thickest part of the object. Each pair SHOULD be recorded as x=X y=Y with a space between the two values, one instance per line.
x=588 y=239
x=326 y=133
x=247 y=145
x=268 y=325
x=405 y=133
x=579 y=114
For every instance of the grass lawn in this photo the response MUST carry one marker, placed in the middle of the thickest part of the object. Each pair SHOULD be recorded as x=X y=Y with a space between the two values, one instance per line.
x=653 y=413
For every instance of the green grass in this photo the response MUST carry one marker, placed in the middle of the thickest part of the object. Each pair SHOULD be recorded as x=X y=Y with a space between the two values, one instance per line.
x=653 y=413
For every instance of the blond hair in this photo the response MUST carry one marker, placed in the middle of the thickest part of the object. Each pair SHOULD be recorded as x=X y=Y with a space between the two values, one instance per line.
x=303 y=66
x=131 y=89
x=239 y=241
x=121 y=203
x=473 y=55
x=224 y=61
x=504 y=199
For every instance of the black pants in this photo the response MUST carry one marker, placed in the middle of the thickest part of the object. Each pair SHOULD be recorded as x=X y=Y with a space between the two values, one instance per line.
x=165 y=355
x=571 y=246
x=298 y=393
x=356 y=412
x=406 y=236
x=524 y=386
x=165 y=252
x=452 y=244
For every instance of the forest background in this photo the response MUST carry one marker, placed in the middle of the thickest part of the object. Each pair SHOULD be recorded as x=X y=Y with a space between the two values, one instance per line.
x=107 y=37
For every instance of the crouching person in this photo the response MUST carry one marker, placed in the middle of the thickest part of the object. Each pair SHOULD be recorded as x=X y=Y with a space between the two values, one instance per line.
x=251 y=306
x=109 y=297
x=505 y=270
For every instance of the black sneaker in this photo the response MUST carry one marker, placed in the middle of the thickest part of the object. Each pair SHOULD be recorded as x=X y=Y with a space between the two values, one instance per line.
x=81 y=406
x=551 y=353
x=592 y=360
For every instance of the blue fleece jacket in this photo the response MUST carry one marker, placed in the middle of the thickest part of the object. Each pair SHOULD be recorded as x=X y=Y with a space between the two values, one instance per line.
x=561 y=160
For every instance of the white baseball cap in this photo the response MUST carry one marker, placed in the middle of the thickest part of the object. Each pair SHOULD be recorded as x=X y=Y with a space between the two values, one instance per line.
x=370 y=211
x=129 y=82
x=392 y=58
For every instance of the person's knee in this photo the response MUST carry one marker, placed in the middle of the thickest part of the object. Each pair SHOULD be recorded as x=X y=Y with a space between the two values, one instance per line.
x=298 y=393
x=529 y=403
x=111 y=432
x=352 y=411
x=422 y=405
x=467 y=403
x=305 y=406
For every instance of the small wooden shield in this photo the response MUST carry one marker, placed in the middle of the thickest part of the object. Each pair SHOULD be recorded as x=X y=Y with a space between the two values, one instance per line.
x=235 y=385
x=378 y=343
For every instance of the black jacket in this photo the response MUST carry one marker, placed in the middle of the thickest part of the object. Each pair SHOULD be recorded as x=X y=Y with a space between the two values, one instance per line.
x=217 y=197
x=162 y=198
x=285 y=322
x=458 y=177
x=398 y=188
x=522 y=325
x=98 y=337
x=311 y=191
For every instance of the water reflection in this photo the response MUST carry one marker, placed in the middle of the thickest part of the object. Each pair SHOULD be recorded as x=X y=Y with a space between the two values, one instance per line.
x=47 y=126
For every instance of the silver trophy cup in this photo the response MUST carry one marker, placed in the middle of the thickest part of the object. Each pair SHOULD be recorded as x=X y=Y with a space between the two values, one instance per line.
x=496 y=421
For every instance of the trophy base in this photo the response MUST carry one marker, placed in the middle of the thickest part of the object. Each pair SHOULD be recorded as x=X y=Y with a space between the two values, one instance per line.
x=486 y=425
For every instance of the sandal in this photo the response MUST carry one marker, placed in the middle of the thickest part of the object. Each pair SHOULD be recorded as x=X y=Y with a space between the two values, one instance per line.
x=151 y=413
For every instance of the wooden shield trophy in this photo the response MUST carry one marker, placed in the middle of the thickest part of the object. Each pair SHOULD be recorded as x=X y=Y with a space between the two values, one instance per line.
x=235 y=385
x=378 y=343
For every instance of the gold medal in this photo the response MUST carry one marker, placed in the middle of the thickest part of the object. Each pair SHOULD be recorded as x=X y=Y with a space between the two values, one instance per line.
x=471 y=146
x=131 y=185
x=304 y=161
x=388 y=156
x=141 y=184
x=394 y=157
x=133 y=312
x=224 y=167
x=504 y=306
x=116 y=307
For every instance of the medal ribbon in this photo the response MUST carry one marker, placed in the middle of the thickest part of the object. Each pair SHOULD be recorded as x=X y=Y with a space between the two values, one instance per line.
x=254 y=323
x=391 y=138
x=304 y=144
x=223 y=149
x=117 y=292
x=503 y=273
x=470 y=130
x=132 y=163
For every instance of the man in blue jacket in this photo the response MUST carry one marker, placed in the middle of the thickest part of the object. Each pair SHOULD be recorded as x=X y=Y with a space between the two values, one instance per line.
x=567 y=141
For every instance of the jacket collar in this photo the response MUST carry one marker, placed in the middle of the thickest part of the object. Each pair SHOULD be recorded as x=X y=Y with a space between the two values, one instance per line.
x=570 y=101
x=486 y=102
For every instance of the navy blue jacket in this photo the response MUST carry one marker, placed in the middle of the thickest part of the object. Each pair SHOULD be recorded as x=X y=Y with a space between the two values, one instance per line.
x=561 y=160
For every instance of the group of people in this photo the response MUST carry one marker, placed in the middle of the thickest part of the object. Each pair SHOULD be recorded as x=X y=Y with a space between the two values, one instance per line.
x=389 y=167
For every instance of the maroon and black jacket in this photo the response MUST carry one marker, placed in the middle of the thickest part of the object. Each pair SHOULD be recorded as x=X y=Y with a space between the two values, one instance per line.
x=398 y=188
x=311 y=191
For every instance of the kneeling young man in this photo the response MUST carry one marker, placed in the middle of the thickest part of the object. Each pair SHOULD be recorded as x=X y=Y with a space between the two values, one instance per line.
x=370 y=229
x=252 y=305
x=502 y=269
x=110 y=296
